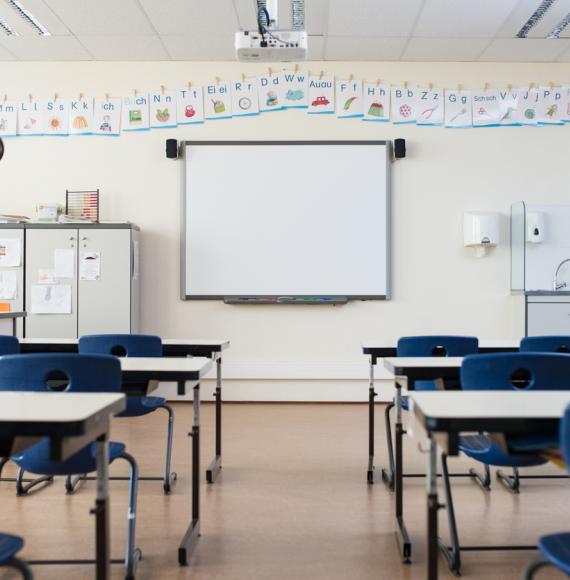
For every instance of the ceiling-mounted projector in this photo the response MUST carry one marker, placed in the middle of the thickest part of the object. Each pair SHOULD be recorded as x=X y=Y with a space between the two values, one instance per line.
x=268 y=43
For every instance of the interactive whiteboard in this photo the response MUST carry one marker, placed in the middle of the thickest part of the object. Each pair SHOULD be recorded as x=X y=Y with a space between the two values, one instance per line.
x=286 y=219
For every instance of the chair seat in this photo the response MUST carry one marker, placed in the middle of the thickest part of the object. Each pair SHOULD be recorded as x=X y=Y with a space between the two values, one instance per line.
x=139 y=406
x=481 y=448
x=9 y=546
x=37 y=460
x=556 y=549
x=534 y=443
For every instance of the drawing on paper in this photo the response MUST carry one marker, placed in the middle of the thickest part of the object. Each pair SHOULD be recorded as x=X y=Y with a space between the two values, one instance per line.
x=349 y=102
x=80 y=122
x=376 y=110
x=30 y=122
x=162 y=115
x=457 y=115
x=244 y=103
x=320 y=101
x=105 y=126
x=271 y=99
x=189 y=111
x=405 y=111
x=219 y=106
x=294 y=95
x=551 y=111
x=529 y=114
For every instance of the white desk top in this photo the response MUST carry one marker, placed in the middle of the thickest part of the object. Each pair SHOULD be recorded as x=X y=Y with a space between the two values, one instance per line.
x=168 y=341
x=17 y=407
x=12 y=314
x=438 y=362
x=200 y=365
x=483 y=343
x=492 y=404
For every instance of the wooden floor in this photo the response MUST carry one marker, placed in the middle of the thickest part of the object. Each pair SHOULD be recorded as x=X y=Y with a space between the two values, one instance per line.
x=292 y=503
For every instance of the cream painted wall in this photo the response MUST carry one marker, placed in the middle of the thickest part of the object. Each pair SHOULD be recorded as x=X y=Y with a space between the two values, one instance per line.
x=438 y=286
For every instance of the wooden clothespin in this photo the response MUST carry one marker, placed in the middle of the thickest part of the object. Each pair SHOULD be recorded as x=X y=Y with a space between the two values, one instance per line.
x=31 y=97
x=136 y=91
x=321 y=75
x=162 y=89
x=350 y=77
x=378 y=81
x=531 y=86
x=5 y=98
x=486 y=86
x=217 y=80
x=296 y=68
x=430 y=86
x=551 y=85
x=269 y=71
x=459 y=87
x=405 y=84
x=243 y=77
x=80 y=97
x=189 y=85
x=509 y=88
x=55 y=95
x=107 y=96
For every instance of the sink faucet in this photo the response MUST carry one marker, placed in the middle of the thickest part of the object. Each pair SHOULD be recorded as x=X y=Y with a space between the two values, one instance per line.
x=555 y=284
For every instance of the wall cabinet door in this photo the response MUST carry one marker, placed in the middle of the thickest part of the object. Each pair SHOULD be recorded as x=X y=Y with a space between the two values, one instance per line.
x=42 y=245
x=105 y=302
x=548 y=318
x=16 y=303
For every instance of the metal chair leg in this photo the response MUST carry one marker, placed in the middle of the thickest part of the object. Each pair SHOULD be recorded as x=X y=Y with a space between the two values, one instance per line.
x=169 y=477
x=452 y=553
x=132 y=554
x=19 y=565
x=72 y=481
x=512 y=482
x=388 y=475
x=22 y=489
x=533 y=567
x=483 y=481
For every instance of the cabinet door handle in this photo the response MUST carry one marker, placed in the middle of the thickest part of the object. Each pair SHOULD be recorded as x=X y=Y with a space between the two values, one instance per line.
x=84 y=238
x=71 y=238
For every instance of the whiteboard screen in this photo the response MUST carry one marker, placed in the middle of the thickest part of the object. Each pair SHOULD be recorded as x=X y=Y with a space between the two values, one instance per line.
x=286 y=219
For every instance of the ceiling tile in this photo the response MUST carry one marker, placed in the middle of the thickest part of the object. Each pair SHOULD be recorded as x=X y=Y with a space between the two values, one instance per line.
x=316 y=48
x=565 y=56
x=40 y=11
x=462 y=18
x=185 y=17
x=444 y=49
x=347 y=48
x=524 y=10
x=50 y=48
x=102 y=17
x=524 y=50
x=6 y=55
x=200 y=47
x=124 y=47
x=372 y=17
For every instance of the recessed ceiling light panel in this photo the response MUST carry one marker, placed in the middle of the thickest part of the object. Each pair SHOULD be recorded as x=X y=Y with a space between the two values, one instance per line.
x=536 y=17
x=7 y=28
x=28 y=17
x=555 y=32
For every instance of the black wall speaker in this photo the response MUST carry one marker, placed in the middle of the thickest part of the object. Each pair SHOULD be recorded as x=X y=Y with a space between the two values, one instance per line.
x=1 y=149
x=399 y=148
x=171 y=148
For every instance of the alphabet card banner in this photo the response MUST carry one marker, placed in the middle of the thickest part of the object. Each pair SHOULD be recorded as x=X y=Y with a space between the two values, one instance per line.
x=270 y=92
x=551 y=105
x=30 y=117
x=348 y=98
x=295 y=89
x=527 y=101
x=163 y=109
x=404 y=105
x=458 y=112
x=56 y=117
x=218 y=101
x=81 y=116
x=107 y=117
x=8 y=118
x=245 y=100
x=486 y=108
x=190 y=105
x=430 y=106
x=135 y=115
x=376 y=102
x=321 y=95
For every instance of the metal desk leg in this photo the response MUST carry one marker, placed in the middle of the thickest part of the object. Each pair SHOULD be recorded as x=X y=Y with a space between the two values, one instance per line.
x=193 y=532
x=433 y=507
x=371 y=397
x=102 y=540
x=403 y=537
x=216 y=465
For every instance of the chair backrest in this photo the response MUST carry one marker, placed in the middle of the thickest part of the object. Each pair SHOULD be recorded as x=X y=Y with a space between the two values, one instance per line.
x=545 y=344
x=516 y=370
x=437 y=345
x=69 y=372
x=9 y=345
x=565 y=437
x=121 y=344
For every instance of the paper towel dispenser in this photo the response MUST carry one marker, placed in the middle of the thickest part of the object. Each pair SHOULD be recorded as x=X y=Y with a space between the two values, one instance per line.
x=480 y=229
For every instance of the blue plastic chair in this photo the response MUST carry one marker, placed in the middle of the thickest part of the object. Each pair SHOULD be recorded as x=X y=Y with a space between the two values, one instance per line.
x=434 y=345
x=556 y=343
x=71 y=373
x=500 y=372
x=555 y=548
x=134 y=345
x=9 y=547
x=8 y=345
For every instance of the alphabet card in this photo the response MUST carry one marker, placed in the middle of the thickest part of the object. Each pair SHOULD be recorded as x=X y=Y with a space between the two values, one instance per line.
x=348 y=98
x=527 y=100
x=56 y=117
x=8 y=118
x=458 y=111
x=270 y=92
x=551 y=105
x=565 y=116
x=508 y=106
x=190 y=105
x=162 y=109
x=135 y=112
x=486 y=108
x=321 y=95
x=107 y=117
x=218 y=101
x=430 y=106
x=295 y=89
x=30 y=117
x=404 y=105
x=245 y=98
x=81 y=116
x=376 y=102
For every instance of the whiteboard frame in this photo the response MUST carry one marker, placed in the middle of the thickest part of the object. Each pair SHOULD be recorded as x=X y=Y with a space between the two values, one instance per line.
x=388 y=225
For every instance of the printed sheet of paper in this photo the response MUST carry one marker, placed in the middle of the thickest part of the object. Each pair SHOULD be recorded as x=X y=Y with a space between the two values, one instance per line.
x=10 y=253
x=8 y=285
x=51 y=299
x=90 y=266
x=64 y=263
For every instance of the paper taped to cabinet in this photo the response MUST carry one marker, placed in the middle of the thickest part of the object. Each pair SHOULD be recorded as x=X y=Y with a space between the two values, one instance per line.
x=8 y=285
x=51 y=299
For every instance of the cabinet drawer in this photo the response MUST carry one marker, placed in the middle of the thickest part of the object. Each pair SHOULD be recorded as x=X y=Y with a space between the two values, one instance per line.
x=548 y=318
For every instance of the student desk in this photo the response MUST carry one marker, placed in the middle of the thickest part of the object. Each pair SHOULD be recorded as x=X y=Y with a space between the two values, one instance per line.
x=171 y=347
x=375 y=350
x=183 y=371
x=71 y=421
x=445 y=416
x=8 y=322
